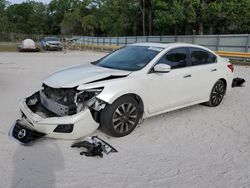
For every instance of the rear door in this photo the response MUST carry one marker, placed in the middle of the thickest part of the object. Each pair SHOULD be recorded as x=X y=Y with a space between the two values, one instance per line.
x=204 y=70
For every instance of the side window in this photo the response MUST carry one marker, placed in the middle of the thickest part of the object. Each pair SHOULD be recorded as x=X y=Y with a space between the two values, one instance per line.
x=212 y=58
x=175 y=58
x=200 y=57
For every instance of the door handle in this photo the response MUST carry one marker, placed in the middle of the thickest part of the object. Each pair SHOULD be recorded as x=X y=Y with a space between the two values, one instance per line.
x=213 y=70
x=187 y=76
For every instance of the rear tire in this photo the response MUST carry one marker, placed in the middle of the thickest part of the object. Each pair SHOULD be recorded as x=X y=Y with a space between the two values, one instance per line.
x=121 y=117
x=217 y=94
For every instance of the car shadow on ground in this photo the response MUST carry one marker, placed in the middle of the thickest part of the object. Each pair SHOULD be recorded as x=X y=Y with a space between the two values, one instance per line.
x=36 y=166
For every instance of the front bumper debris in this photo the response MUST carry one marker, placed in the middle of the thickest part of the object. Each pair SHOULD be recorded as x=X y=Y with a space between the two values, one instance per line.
x=95 y=146
x=74 y=126
x=23 y=134
x=237 y=82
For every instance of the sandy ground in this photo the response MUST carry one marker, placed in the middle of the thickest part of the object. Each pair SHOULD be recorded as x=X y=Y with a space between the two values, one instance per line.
x=193 y=147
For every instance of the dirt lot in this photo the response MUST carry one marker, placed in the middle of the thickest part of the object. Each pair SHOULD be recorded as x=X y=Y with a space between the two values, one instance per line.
x=193 y=147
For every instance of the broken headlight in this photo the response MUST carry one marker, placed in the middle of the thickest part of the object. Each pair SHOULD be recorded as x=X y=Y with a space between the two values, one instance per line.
x=88 y=98
x=96 y=104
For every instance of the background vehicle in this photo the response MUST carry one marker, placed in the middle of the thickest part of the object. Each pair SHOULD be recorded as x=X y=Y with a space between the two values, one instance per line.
x=134 y=82
x=51 y=43
x=28 y=45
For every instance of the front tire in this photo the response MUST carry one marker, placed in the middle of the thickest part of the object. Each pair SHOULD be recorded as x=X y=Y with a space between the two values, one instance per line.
x=217 y=94
x=121 y=117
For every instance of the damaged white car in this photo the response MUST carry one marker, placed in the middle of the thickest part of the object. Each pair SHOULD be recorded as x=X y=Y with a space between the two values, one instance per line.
x=115 y=92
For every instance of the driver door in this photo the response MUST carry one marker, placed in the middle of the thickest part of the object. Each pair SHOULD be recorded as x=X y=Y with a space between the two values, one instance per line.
x=170 y=89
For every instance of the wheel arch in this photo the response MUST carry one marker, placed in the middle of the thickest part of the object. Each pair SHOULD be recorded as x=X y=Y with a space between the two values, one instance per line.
x=96 y=114
x=138 y=100
x=225 y=82
x=136 y=96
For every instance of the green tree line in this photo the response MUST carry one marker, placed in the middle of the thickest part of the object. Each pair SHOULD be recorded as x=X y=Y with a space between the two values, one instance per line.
x=126 y=17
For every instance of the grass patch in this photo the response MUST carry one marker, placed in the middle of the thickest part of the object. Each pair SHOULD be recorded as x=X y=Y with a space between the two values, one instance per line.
x=8 y=47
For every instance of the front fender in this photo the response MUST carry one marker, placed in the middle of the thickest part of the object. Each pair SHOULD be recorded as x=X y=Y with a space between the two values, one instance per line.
x=114 y=89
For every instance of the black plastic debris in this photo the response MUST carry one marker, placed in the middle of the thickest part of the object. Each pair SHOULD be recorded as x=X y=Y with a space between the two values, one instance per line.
x=237 y=82
x=22 y=134
x=94 y=146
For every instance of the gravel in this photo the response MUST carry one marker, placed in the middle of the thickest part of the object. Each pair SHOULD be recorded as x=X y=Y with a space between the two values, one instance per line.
x=196 y=146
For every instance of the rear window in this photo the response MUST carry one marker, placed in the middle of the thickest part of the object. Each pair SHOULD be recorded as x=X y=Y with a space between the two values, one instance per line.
x=199 y=56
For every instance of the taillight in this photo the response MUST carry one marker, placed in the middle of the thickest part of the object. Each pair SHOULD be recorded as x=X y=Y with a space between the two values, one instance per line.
x=231 y=67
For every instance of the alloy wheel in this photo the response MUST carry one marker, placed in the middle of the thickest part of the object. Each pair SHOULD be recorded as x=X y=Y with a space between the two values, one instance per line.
x=125 y=117
x=218 y=93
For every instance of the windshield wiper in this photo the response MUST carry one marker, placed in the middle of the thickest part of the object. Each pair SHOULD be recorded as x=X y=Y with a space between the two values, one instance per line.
x=116 y=68
x=105 y=66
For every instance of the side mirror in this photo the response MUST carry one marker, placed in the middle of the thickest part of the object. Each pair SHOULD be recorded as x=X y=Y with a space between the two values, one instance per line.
x=162 y=68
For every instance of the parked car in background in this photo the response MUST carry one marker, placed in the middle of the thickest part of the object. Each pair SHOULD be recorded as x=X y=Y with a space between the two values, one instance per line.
x=28 y=45
x=51 y=43
x=132 y=83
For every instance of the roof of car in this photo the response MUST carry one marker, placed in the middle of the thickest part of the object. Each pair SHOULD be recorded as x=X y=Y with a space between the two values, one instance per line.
x=172 y=45
x=165 y=45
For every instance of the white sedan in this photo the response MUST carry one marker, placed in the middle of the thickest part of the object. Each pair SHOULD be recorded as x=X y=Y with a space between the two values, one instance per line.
x=115 y=92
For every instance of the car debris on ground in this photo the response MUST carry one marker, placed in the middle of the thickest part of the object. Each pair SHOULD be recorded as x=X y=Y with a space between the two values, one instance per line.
x=94 y=146
x=237 y=82
x=22 y=134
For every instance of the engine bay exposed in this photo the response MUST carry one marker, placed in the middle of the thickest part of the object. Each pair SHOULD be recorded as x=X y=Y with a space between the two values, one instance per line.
x=59 y=102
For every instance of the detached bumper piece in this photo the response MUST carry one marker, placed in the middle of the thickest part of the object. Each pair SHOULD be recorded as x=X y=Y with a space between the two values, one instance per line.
x=94 y=146
x=23 y=134
x=237 y=82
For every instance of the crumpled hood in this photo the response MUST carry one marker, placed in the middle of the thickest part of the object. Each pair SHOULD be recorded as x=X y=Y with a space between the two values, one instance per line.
x=81 y=74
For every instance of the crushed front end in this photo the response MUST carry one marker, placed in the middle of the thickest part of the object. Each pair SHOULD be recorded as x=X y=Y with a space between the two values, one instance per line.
x=59 y=113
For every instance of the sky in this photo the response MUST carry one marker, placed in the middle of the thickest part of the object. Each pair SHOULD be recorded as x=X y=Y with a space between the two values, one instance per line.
x=20 y=1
